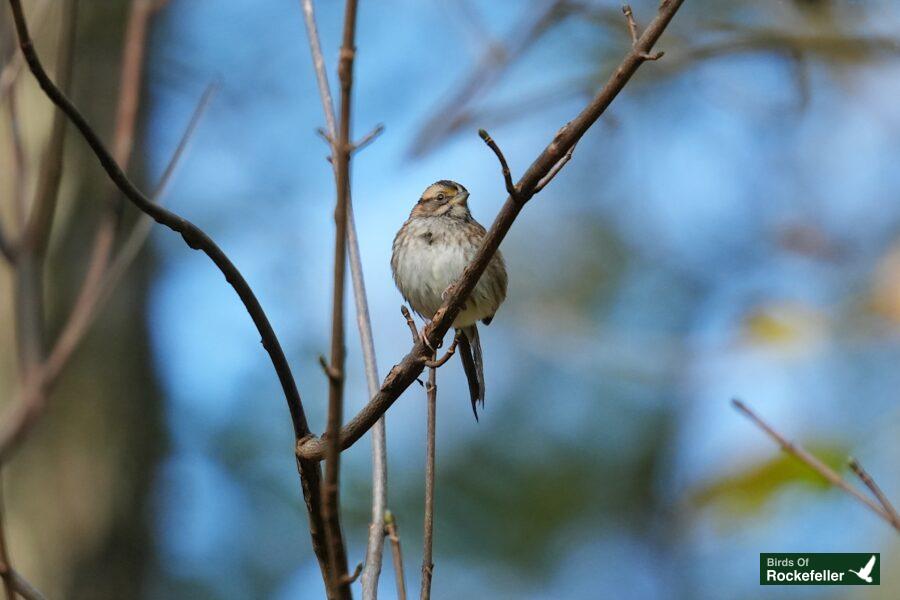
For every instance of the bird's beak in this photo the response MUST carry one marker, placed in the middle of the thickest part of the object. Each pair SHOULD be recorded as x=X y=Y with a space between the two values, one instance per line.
x=460 y=199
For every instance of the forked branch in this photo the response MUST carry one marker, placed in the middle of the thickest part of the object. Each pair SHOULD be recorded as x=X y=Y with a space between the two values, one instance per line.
x=635 y=36
x=882 y=508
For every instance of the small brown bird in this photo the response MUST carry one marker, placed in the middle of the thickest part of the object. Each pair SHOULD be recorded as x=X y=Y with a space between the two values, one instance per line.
x=430 y=252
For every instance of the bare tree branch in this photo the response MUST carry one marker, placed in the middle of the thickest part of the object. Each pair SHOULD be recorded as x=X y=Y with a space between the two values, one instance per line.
x=428 y=542
x=869 y=482
x=504 y=167
x=19 y=175
x=13 y=582
x=342 y=149
x=375 y=545
x=19 y=163
x=368 y=138
x=556 y=169
x=31 y=250
x=141 y=230
x=10 y=71
x=815 y=464
x=408 y=369
x=24 y=588
x=633 y=31
x=410 y=323
x=390 y=528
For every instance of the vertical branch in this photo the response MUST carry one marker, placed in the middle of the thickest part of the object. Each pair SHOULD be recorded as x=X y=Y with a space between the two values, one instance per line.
x=29 y=272
x=130 y=78
x=390 y=528
x=375 y=545
x=337 y=558
x=19 y=176
x=19 y=163
x=427 y=563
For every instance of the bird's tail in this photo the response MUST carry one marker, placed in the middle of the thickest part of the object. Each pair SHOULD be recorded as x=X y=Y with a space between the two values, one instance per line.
x=470 y=352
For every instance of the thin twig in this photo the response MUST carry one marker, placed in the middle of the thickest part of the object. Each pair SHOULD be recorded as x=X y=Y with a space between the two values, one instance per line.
x=130 y=77
x=390 y=528
x=31 y=249
x=24 y=588
x=635 y=36
x=869 y=482
x=504 y=167
x=632 y=24
x=19 y=163
x=355 y=575
x=813 y=463
x=403 y=374
x=556 y=169
x=410 y=323
x=428 y=542
x=10 y=72
x=20 y=176
x=368 y=138
x=374 y=547
x=342 y=149
x=141 y=230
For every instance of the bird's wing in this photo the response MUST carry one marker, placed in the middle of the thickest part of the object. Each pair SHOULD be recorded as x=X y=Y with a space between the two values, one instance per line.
x=869 y=565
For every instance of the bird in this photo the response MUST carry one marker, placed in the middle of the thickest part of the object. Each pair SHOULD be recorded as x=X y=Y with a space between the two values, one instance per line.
x=866 y=572
x=430 y=252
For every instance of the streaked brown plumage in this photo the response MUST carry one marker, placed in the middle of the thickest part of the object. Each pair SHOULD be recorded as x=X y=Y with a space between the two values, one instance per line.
x=430 y=252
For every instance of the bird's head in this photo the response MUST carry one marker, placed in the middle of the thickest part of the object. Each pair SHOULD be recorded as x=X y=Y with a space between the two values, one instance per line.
x=443 y=198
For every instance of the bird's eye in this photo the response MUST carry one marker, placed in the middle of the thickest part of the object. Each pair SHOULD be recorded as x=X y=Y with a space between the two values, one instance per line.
x=440 y=196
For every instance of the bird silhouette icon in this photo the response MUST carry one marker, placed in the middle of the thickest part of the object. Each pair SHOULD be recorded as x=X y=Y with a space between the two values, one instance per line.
x=866 y=572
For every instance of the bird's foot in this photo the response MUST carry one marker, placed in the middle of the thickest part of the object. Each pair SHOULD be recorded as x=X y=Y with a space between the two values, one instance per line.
x=423 y=335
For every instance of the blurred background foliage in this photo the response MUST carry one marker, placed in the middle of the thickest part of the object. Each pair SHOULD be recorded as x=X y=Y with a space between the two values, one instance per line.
x=729 y=228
